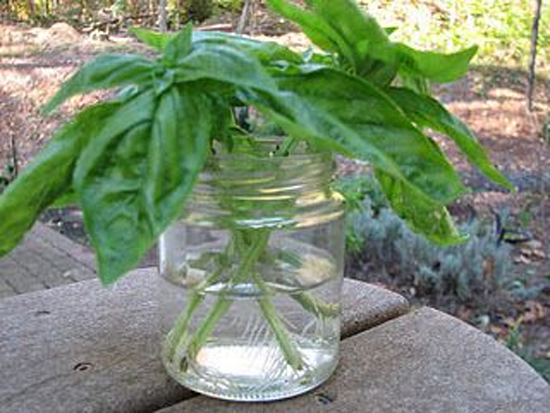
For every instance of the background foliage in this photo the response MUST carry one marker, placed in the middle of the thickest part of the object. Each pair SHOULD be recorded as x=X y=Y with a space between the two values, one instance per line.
x=501 y=28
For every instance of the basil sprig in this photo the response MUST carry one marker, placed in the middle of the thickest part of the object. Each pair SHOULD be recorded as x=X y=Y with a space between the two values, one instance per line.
x=131 y=161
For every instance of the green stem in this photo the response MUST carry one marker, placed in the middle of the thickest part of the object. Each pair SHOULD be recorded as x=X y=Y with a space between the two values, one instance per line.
x=315 y=305
x=289 y=350
x=257 y=245
x=222 y=304
x=177 y=334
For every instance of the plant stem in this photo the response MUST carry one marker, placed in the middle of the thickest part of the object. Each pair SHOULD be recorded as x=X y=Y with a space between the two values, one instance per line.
x=222 y=304
x=289 y=350
x=258 y=243
x=316 y=306
x=194 y=300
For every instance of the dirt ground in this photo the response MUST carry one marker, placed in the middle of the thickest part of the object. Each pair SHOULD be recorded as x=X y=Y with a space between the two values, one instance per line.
x=34 y=62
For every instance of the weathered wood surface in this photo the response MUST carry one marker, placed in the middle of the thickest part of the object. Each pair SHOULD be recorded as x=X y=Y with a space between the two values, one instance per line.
x=424 y=361
x=82 y=348
x=46 y=259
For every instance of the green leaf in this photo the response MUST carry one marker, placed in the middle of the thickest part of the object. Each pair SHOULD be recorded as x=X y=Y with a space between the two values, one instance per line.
x=437 y=67
x=151 y=38
x=423 y=216
x=298 y=119
x=105 y=72
x=133 y=180
x=179 y=46
x=340 y=26
x=108 y=179
x=224 y=64
x=361 y=118
x=48 y=177
x=357 y=28
x=184 y=123
x=315 y=27
x=265 y=52
x=428 y=112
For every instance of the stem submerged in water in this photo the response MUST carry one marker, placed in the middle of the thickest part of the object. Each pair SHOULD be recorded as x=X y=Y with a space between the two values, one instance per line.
x=256 y=243
x=251 y=245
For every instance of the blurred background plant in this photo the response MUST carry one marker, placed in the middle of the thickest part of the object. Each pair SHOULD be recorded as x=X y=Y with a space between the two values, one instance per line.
x=477 y=281
x=383 y=249
x=501 y=28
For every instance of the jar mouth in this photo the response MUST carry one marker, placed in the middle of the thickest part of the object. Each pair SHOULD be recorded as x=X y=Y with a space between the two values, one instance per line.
x=269 y=150
x=264 y=189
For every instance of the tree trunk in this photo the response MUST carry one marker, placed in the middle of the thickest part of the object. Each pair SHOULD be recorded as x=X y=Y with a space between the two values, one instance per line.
x=163 y=20
x=248 y=10
x=533 y=57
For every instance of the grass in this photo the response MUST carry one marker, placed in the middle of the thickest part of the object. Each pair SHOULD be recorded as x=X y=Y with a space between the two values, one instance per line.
x=501 y=28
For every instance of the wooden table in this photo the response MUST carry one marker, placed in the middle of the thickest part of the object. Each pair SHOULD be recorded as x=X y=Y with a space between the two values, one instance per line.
x=82 y=348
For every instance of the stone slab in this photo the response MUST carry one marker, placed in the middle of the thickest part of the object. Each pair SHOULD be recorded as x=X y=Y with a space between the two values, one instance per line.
x=425 y=361
x=83 y=348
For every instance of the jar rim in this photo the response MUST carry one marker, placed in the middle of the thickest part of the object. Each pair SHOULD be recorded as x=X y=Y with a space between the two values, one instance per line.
x=299 y=154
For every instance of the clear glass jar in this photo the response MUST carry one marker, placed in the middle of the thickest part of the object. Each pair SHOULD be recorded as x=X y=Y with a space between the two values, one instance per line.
x=252 y=278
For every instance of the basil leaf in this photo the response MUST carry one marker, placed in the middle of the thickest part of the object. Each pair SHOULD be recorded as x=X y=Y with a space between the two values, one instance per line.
x=49 y=176
x=349 y=31
x=300 y=120
x=423 y=216
x=156 y=40
x=437 y=67
x=428 y=112
x=108 y=179
x=317 y=29
x=226 y=65
x=105 y=72
x=179 y=46
x=357 y=28
x=265 y=52
x=185 y=121
x=340 y=26
x=365 y=121
x=133 y=180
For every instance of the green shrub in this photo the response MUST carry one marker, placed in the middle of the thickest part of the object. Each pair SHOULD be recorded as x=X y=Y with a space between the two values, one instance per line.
x=383 y=248
x=199 y=10
x=231 y=5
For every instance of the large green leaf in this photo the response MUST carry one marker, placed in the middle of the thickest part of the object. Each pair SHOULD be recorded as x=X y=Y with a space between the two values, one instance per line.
x=359 y=30
x=156 y=40
x=327 y=132
x=340 y=26
x=105 y=72
x=265 y=52
x=109 y=180
x=49 y=176
x=133 y=180
x=314 y=26
x=179 y=46
x=365 y=121
x=437 y=67
x=185 y=121
x=224 y=64
x=428 y=112
x=423 y=216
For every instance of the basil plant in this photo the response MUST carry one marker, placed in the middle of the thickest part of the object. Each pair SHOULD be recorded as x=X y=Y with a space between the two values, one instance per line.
x=131 y=161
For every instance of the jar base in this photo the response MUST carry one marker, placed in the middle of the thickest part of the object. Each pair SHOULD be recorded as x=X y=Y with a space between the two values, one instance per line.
x=244 y=373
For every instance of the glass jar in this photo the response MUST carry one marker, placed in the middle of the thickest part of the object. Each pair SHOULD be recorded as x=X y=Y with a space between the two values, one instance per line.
x=252 y=278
